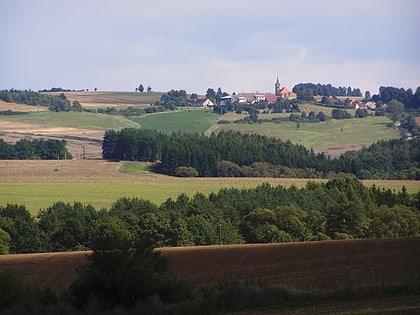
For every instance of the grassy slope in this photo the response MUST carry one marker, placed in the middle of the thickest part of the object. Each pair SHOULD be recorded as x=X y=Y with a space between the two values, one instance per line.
x=355 y=131
x=38 y=194
x=74 y=119
x=185 y=120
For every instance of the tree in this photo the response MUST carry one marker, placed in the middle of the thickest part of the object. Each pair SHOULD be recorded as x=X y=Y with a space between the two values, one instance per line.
x=259 y=226
x=395 y=109
x=76 y=106
x=149 y=88
x=4 y=242
x=25 y=236
x=67 y=226
x=141 y=88
x=397 y=221
x=361 y=113
x=118 y=272
x=211 y=94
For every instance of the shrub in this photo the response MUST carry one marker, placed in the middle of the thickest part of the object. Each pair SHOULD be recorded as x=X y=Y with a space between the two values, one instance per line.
x=185 y=171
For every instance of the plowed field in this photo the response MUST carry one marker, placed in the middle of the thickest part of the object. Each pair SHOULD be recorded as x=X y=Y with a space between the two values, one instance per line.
x=324 y=265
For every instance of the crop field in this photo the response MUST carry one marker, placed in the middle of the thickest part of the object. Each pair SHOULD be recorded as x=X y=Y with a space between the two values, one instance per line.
x=113 y=99
x=186 y=120
x=72 y=120
x=38 y=184
x=309 y=266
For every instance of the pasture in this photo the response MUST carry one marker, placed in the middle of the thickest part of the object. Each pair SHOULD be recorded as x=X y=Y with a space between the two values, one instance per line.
x=184 y=120
x=38 y=184
x=333 y=133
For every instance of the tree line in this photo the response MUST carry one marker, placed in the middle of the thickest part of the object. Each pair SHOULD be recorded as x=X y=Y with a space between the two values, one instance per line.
x=340 y=208
x=207 y=156
x=307 y=91
x=54 y=103
x=35 y=149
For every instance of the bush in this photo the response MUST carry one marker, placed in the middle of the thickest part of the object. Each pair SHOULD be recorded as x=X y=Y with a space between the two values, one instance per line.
x=186 y=171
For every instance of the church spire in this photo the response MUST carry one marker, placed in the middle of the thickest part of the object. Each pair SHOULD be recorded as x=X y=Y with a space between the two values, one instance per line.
x=277 y=87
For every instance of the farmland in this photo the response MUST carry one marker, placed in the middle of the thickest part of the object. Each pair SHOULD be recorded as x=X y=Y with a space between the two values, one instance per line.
x=113 y=99
x=186 y=120
x=38 y=184
x=332 y=134
x=312 y=266
x=326 y=265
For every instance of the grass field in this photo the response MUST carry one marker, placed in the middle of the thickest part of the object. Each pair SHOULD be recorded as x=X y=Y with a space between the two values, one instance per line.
x=185 y=120
x=38 y=184
x=355 y=131
x=81 y=120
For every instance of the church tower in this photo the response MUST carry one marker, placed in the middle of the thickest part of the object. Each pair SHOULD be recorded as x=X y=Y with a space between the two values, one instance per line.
x=277 y=87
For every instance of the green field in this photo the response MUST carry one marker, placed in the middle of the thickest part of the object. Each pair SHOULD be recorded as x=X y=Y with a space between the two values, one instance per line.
x=37 y=194
x=184 y=120
x=333 y=133
x=81 y=120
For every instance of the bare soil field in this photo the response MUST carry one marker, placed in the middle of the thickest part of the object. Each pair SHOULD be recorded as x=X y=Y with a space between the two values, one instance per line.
x=20 y=107
x=113 y=99
x=81 y=143
x=325 y=265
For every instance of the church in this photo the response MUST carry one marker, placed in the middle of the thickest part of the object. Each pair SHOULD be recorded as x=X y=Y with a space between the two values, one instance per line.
x=283 y=92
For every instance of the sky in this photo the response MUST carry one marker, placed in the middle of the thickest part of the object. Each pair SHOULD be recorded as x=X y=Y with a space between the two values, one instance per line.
x=238 y=45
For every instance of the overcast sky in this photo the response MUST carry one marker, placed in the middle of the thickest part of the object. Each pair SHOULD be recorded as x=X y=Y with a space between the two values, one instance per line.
x=239 y=45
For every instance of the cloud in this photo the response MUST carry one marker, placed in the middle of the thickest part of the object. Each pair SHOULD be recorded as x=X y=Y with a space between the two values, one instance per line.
x=193 y=45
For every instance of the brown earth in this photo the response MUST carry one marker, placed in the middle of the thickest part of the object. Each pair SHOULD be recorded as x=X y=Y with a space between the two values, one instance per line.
x=324 y=265
x=20 y=107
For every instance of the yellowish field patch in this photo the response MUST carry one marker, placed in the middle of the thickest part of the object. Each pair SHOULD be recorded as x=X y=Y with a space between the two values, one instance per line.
x=21 y=107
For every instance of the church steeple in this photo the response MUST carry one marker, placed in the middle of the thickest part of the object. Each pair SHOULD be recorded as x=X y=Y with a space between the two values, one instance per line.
x=277 y=87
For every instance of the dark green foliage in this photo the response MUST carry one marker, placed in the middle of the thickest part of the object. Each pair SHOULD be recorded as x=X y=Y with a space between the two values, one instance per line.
x=303 y=90
x=120 y=272
x=361 y=113
x=234 y=154
x=19 y=298
x=34 y=149
x=67 y=226
x=185 y=171
x=203 y=153
x=25 y=236
x=4 y=242
x=55 y=103
x=173 y=99
x=388 y=93
x=340 y=114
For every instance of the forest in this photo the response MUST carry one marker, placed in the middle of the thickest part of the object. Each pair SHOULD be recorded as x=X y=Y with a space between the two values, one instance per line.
x=338 y=209
x=35 y=149
x=234 y=154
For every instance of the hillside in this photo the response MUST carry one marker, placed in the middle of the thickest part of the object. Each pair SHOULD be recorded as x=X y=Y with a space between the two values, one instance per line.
x=324 y=265
x=85 y=131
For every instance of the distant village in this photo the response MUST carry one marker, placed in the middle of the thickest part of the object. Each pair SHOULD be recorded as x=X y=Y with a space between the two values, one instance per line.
x=280 y=93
